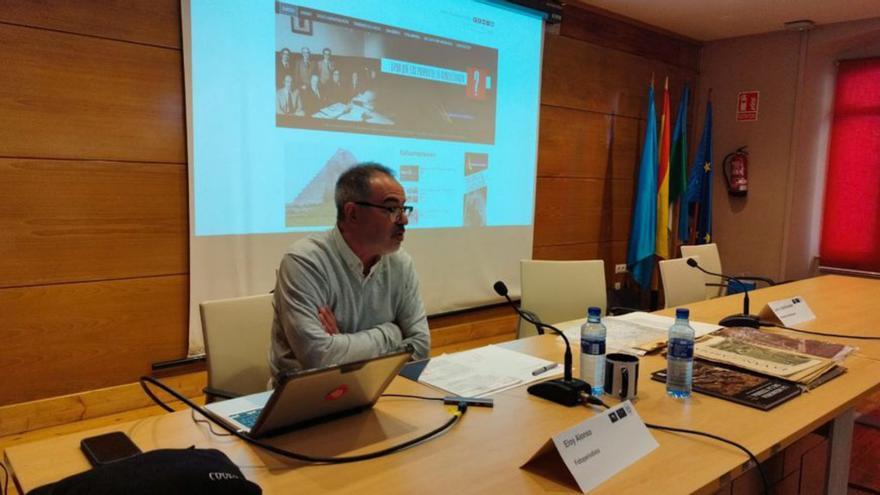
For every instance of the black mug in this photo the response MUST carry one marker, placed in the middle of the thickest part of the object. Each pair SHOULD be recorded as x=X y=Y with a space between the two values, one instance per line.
x=622 y=375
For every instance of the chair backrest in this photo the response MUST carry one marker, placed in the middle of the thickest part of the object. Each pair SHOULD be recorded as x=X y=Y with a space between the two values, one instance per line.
x=237 y=335
x=710 y=261
x=560 y=290
x=682 y=284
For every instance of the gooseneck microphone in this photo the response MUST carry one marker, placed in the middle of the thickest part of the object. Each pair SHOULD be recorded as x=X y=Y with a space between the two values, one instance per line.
x=740 y=320
x=530 y=317
x=501 y=290
x=566 y=391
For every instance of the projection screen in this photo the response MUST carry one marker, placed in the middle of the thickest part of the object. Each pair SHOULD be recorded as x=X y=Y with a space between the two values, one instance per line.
x=283 y=97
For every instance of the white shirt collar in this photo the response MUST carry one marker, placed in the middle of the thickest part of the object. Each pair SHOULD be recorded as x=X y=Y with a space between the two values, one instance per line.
x=351 y=259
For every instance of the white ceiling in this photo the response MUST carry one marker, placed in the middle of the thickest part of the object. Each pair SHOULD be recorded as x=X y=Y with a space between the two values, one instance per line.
x=707 y=20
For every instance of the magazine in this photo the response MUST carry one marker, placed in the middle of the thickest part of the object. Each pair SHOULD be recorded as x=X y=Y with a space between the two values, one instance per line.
x=740 y=386
x=818 y=348
x=759 y=358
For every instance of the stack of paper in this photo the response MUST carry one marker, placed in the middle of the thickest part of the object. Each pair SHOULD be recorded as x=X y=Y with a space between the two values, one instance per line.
x=484 y=371
x=781 y=363
x=818 y=348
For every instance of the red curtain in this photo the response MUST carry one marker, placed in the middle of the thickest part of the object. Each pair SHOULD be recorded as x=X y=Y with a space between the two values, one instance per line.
x=851 y=219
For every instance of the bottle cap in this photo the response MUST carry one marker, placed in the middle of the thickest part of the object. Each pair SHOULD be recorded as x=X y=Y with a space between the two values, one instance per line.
x=682 y=313
x=594 y=311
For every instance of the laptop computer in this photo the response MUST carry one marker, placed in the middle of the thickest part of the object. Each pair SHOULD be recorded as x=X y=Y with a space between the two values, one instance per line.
x=306 y=397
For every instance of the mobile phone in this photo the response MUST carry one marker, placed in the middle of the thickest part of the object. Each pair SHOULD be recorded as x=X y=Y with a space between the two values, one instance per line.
x=104 y=449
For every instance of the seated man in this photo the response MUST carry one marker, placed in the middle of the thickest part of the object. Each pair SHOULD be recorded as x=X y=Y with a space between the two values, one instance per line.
x=312 y=99
x=287 y=98
x=349 y=294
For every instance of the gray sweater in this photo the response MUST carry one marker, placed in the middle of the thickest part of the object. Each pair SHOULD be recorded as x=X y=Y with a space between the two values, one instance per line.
x=376 y=314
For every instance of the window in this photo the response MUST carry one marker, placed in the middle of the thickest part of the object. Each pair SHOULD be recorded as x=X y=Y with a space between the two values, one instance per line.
x=851 y=218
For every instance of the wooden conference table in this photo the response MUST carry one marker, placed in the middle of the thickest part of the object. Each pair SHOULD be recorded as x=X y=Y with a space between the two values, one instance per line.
x=484 y=451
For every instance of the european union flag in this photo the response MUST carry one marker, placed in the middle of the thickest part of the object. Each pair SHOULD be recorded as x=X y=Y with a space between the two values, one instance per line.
x=699 y=189
x=642 y=237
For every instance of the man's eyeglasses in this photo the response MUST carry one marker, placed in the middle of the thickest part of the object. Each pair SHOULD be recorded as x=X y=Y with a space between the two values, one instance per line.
x=396 y=212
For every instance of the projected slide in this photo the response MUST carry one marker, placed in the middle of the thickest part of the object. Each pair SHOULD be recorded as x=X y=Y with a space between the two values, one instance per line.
x=284 y=97
x=379 y=79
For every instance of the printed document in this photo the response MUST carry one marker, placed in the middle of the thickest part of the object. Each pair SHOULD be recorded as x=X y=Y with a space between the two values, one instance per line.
x=484 y=371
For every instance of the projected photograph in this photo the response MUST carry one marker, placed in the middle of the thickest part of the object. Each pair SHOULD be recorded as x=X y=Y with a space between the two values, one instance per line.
x=475 y=164
x=313 y=205
x=475 y=208
x=338 y=73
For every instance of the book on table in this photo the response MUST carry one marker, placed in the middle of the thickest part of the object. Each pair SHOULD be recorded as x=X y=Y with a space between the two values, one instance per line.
x=761 y=369
x=803 y=361
x=740 y=386
x=812 y=347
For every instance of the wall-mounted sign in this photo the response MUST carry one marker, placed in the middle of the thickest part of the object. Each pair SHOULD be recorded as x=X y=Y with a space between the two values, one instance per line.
x=747 y=106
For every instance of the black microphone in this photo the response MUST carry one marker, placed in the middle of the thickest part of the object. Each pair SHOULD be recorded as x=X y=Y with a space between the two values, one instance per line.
x=566 y=391
x=741 y=320
x=530 y=317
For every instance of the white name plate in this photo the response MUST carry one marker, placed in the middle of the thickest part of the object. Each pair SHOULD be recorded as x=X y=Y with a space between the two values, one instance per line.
x=600 y=447
x=789 y=312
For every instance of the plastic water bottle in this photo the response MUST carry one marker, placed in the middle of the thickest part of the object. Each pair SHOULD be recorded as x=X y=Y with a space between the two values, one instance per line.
x=593 y=351
x=680 y=356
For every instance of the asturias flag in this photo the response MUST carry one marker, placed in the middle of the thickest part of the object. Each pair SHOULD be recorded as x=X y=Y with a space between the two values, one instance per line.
x=640 y=254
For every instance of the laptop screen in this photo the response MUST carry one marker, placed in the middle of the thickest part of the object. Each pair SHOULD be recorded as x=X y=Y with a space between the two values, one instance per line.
x=324 y=393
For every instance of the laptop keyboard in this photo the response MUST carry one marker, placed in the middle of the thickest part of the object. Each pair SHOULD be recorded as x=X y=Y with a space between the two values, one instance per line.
x=247 y=418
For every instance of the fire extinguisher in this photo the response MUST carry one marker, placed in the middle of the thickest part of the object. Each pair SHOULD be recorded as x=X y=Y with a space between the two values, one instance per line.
x=736 y=172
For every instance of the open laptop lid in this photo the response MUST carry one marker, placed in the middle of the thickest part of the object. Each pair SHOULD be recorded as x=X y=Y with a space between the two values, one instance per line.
x=319 y=394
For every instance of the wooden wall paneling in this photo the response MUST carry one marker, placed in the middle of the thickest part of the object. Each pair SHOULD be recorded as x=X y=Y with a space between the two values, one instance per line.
x=569 y=211
x=472 y=344
x=577 y=143
x=77 y=97
x=153 y=22
x=584 y=251
x=582 y=75
x=606 y=29
x=65 y=220
x=585 y=76
x=443 y=321
x=45 y=413
x=612 y=252
x=473 y=330
x=61 y=339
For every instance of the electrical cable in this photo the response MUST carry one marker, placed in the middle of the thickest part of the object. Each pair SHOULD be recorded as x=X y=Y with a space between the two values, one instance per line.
x=210 y=425
x=720 y=439
x=779 y=325
x=408 y=396
x=461 y=409
x=596 y=401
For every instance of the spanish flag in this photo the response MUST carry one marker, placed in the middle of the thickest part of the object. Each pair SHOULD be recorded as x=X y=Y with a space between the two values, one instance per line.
x=662 y=240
